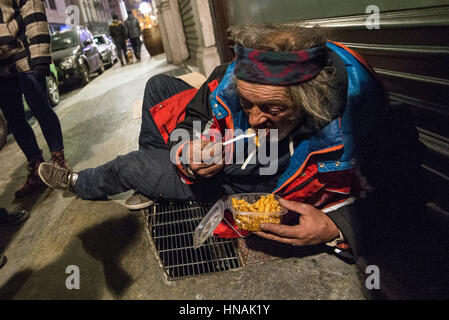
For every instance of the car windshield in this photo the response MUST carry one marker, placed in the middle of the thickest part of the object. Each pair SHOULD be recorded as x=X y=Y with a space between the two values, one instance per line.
x=99 y=40
x=64 y=41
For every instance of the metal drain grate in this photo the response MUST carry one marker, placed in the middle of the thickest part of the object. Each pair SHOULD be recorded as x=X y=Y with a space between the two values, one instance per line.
x=172 y=225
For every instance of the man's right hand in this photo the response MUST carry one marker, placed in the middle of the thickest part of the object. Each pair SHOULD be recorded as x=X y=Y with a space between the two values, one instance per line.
x=206 y=158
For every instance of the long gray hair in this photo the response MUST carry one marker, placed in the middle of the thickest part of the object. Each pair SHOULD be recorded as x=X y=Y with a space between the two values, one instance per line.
x=313 y=97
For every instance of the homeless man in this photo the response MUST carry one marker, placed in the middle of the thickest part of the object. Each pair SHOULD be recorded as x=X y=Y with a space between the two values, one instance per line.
x=336 y=140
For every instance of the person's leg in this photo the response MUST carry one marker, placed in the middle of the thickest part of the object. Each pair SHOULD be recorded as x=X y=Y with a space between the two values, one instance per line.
x=34 y=87
x=157 y=89
x=14 y=112
x=134 y=46
x=139 y=48
x=149 y=172
x=119 y=52
x=124 y=51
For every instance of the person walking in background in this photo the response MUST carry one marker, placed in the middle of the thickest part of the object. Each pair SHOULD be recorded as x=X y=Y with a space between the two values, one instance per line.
x=12 y=218
x=133 y=32
x=25 y=60
x=118 y=33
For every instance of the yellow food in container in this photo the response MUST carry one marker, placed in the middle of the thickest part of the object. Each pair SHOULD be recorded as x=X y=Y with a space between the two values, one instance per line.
x=252 y=209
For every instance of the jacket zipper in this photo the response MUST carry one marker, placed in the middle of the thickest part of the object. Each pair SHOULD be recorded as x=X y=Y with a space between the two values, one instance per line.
x=300 y=186
x=329 y=150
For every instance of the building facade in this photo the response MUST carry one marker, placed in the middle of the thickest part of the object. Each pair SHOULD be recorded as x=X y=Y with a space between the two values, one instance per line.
x=93 y=14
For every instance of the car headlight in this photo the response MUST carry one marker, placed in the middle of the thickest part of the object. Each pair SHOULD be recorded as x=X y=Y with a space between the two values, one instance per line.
x=68 y=62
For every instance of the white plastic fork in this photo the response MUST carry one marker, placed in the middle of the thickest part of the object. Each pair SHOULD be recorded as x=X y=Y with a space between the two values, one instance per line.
x=242 y=136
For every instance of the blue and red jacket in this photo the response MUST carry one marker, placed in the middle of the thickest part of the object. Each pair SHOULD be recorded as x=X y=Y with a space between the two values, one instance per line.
x=323 y=169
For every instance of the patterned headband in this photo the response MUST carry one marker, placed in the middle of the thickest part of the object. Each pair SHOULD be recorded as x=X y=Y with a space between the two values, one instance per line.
x=278 y=68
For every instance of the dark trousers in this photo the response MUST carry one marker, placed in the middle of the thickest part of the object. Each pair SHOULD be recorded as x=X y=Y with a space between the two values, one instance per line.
x=121 y=49
x=137 y=45
x=34 y=87
x=149 y=169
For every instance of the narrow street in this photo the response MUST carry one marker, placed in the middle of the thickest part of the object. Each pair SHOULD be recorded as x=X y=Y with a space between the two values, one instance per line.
x=108 y=243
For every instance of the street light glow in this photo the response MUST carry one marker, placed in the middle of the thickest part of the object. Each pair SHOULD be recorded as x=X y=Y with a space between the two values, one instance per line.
x=144 y=8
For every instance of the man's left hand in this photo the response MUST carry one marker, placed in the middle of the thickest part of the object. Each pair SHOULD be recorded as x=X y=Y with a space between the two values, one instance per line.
x=314 y=226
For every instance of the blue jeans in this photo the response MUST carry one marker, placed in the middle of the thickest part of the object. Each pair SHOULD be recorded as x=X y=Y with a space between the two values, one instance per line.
x=34 y=87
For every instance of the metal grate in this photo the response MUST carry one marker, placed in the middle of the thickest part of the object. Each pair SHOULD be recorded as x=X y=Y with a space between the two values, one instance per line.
x=172 y=225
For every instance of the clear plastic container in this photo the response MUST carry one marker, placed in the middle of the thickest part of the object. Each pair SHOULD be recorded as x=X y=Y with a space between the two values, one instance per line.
x=251 y=221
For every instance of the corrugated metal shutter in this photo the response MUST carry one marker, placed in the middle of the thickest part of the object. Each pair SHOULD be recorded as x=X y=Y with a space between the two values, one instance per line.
x=188 y=21
x=410 y=53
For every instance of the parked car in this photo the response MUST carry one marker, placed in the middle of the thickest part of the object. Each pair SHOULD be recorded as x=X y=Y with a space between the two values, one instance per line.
x=107 y=49
x=53 y=85
x=76 y=55
x=53 y=94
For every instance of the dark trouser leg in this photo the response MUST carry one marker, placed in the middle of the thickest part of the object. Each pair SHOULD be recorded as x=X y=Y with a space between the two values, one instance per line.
x=34 y=87
x=14 y=112
x=150 y=172
x=124 y=51
x=135 y=42
x=118 y=45
x=157 y=89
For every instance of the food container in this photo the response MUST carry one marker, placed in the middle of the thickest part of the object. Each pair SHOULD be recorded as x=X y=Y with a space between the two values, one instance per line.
x=250 y=220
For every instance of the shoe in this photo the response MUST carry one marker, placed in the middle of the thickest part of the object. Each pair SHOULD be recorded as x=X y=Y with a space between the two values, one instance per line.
x=58 y=159
x=2 y=260
x=138 y=201
x=13 y=218
x=56 y=177
x=33 y=182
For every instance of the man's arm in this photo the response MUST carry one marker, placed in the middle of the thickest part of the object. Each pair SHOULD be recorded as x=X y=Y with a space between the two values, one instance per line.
x=36 y=31
x=197 y=115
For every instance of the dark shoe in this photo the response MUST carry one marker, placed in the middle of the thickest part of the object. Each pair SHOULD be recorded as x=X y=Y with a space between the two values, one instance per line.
x=13 y=218
x=33 y=182
x=58 y=159
x=56 y=177
x=2 y=260
x=138 y=201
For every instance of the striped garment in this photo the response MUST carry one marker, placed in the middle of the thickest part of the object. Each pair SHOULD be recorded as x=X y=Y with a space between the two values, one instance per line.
x=24 y=36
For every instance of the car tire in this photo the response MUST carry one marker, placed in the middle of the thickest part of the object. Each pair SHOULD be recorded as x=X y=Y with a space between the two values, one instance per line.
x=85 y=76
x=101 y=69
x=3 y=130
x=53 y=90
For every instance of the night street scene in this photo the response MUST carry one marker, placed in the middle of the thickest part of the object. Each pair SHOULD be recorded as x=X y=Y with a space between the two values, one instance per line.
x=253 y=152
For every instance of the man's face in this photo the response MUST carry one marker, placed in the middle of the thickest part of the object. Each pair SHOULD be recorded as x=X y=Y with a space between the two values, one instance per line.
x=268 y=107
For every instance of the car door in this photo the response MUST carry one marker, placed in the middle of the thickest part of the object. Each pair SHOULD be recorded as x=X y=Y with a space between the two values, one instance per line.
x=88 y=49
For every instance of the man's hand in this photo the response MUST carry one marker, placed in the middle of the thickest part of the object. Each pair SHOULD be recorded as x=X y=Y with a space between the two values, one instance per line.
x=206 y=158
x=314 y=226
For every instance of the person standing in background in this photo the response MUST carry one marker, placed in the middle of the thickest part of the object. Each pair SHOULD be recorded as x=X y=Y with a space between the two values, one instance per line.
x=118 y=33
x=133 y=32
x=25 y=60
